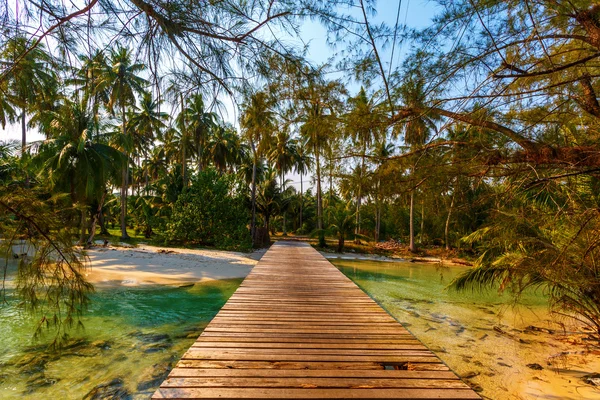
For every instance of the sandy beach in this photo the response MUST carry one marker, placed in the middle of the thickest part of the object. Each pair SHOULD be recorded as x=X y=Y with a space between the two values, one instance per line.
x=150 y=265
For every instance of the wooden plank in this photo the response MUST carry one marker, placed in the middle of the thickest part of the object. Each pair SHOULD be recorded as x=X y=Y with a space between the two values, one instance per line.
x=323 y=373
x=308 y=393
x=298 y=328
x=313 y=383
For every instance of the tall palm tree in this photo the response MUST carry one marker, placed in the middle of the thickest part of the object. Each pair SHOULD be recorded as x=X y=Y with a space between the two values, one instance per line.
x=73 y=162
x=417 y=130
x=31 y=84
x=122 y=82
x=145 y=124
x=223 y=147
x=87 y=80
x=258 y=122
x=363 y=124
x=282 y=155
x=320 y=106
x=302 y=165
x=200 y=123
x=383 y=150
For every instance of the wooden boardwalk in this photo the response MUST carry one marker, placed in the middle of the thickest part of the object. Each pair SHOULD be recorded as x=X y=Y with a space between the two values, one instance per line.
x=298 y=328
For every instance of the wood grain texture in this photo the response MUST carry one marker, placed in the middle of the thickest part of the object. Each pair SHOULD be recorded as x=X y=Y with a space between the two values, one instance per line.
x=297 y=328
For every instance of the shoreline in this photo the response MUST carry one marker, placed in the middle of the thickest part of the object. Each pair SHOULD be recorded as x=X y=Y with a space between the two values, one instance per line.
x=152 y=265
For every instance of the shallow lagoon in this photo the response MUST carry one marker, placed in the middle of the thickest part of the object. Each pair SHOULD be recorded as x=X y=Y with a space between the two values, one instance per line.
x=132 y=337
x=482 y=337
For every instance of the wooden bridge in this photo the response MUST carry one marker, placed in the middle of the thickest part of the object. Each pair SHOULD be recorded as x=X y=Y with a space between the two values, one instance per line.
x=298 y=328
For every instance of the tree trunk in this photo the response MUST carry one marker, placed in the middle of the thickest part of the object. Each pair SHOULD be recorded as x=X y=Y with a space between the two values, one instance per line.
x=319 y=194
x=340 y=244
x=422 y=221
x=183 y=137
x=97 y=216
x=81 y=241
x=359 y=199
x=447 y=228
x=253 y=222
x=23 y=133
x=301 y=200
x=103 y=230
x=378 y=211
x=411 y=245
x=125 y=178
x=285 y=211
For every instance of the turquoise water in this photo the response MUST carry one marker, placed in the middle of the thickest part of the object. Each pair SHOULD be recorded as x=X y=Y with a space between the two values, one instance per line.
x=131 y=338
x=483 y=337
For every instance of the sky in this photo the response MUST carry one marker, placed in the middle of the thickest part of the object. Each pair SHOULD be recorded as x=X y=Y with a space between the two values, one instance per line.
x=415 y=13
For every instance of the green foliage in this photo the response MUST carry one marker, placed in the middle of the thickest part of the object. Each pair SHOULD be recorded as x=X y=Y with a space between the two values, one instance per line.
x=50 y=278
x=538 y=244
x=212 y=211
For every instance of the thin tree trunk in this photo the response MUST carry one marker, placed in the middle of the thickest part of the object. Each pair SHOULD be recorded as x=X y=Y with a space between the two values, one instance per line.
x=447 y=228
x=103 y=230
x=82 y=234
x=23 y=134
x=411 y=245
x=183 y=137
x=95 y=220
x=378 y=211
x=359 y=199
x=125 y=178
x=301 y=200
x=319 y=194
x=253 y=222
x=422 y=221
x=284 y=212
x=340 y=244
x=24 y=143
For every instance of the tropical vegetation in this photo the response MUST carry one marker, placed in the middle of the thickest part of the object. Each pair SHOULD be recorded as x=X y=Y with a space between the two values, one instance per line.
x=484 y=140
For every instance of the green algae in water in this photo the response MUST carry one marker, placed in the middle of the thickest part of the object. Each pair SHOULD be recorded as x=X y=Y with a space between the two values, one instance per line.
x=424 y=282
x=461 y=328
x=134 y=335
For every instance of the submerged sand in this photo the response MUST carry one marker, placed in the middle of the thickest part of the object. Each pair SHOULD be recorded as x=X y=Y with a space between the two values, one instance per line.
x=151 y=265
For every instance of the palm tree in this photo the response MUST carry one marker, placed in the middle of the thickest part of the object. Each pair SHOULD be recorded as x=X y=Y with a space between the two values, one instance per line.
x=223 y=147
x=342 y=223
x=200 y=124
x=269 y=197
x=120 y=79
x=145 y=124
x=320 y=101
x=363 y=124
x=73 y=162
x=383 y=150
x=417 y=130
x=302 y=165
x=282 y=155
x=258 y=122
x=31 y=84
x=88 y=81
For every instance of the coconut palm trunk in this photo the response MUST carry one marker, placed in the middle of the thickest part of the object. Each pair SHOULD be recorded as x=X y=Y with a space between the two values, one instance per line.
x=285 y=211
x=319 y=194
x=447 y=227
x=95 y=220
x=23 y=133
x=301 y=199
x=412 y=246
x=253 y=222
x=124 y=177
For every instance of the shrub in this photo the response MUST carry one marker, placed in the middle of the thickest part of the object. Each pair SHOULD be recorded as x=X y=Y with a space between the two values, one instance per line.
x=213 y=212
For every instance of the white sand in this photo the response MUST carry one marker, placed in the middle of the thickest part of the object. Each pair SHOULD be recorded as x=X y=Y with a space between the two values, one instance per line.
x=145 y=265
